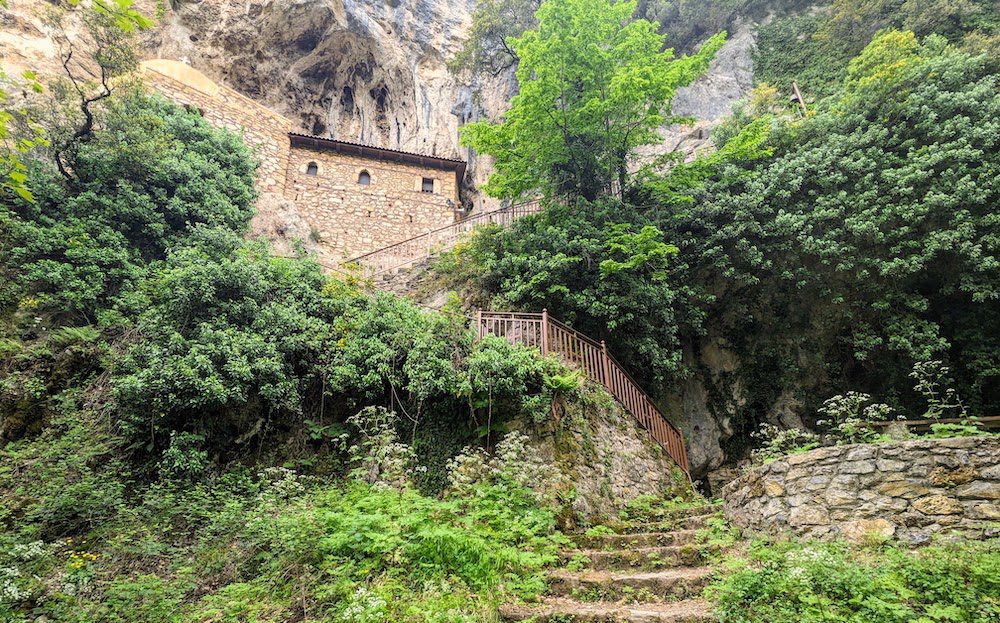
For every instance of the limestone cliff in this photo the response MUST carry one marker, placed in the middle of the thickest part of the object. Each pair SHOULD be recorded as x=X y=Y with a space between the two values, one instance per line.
x=370 y=71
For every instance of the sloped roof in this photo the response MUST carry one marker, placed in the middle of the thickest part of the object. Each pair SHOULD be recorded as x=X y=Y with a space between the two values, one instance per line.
x=378 y=153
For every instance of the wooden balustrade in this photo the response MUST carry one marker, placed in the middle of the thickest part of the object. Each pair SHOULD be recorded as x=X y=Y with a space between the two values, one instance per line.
x=551 y=336
x=412 y=250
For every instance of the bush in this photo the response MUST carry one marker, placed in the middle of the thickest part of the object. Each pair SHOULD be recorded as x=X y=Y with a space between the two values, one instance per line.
x=826 y=254
x=803 y=583
x=149 y=175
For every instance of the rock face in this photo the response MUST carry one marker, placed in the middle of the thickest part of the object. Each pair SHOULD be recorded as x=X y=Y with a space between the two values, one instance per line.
x=606 y=459
x=278 y=220
x=369 y=71
x=711 y=97
x=907 y=490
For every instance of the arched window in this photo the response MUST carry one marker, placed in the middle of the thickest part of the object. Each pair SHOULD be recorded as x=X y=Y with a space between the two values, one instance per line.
x=312 y=169
x=364 y=178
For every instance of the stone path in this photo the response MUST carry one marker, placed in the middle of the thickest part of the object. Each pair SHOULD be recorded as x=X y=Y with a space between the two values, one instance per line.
x=646 y=572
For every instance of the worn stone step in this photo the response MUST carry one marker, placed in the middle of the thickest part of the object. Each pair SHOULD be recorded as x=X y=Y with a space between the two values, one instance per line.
x=657 y=557
x=679 y=583
x=561 y=610
x=636 y=539
x=693 y=522
x=662 y=514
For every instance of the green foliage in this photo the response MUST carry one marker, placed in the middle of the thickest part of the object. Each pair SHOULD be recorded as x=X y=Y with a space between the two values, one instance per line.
x=594 y=84
x=828 y=253
x=598 y=531
x=848 y=415
x=814 y=47
x=866 y=242
x=776 y=442
x=651 y=508
x=789 y=48
x=152 y=174
x=938 y=390
x=20 y=133
x=276 y=545
x=494 y=24
x=208 y=348
x=803 y=583
x=606 y=278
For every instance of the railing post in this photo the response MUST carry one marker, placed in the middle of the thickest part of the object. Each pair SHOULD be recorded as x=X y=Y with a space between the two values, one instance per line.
x=545 y=332
x=479 y=324
x=605 y=374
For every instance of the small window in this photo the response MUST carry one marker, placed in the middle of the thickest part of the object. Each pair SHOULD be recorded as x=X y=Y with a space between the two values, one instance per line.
x=364 y=178
x=312 y=169
x=427 y=185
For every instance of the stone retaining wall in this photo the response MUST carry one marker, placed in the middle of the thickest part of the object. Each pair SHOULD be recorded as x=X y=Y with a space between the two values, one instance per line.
x=907 y=490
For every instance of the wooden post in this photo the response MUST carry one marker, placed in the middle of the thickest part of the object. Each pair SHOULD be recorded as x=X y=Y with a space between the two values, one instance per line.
x=479 y=323
x=545 y=332
x=605 y=374
x=798 y=96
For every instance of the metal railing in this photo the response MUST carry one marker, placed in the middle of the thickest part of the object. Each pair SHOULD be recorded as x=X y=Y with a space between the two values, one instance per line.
x=412 y=250
x=551 y=336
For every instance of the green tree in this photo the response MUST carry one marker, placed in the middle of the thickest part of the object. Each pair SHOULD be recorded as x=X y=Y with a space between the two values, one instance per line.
x=19 y=132
x=828 y=254
x=139 y=186
x=494 y=24
x=594 y=85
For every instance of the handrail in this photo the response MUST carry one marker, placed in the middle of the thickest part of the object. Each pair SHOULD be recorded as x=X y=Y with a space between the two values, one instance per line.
x=538 y=330
x=422 y=246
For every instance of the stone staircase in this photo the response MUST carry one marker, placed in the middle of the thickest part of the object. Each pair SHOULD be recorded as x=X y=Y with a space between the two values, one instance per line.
x=648 y=571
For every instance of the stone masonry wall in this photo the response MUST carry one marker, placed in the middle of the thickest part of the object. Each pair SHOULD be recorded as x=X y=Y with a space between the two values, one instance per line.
x=907 y=490
x=352 y=218
x=347 y=218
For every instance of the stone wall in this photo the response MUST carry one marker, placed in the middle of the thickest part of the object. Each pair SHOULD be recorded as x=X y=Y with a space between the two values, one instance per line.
x=907 y=490
x=352 y=218
x=264 y=130
x=345 y=217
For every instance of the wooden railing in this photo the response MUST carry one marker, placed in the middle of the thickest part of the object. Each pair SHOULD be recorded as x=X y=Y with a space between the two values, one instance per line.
x=412 y=250
x=551 y=336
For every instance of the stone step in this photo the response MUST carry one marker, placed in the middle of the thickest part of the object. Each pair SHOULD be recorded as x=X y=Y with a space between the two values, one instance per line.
x=636 y=539
x=561 y=610
x=657 y=557
x=663 y=514
x=694 y=522
x=670 y=584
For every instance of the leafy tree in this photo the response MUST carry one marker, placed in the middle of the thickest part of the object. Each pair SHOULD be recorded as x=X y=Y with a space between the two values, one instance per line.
x=606 y=276
x=594 y=85
x=19 y=132
x=494 y=24
x=814 y=48
x=868 y=241
x=139 y=186
x=827 y=254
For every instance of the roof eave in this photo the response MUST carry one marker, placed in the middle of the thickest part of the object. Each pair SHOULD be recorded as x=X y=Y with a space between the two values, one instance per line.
x=377 y=153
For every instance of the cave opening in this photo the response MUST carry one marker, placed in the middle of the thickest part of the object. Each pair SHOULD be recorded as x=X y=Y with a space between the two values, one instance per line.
x=347 y=99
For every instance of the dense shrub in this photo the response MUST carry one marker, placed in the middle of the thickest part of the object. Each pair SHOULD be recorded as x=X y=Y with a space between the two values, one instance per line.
x=814 y=47
x=867 y=242
x=152 y=173
x=277 y=546
x=830 y=254
x=592 y=266
x=803 y=583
